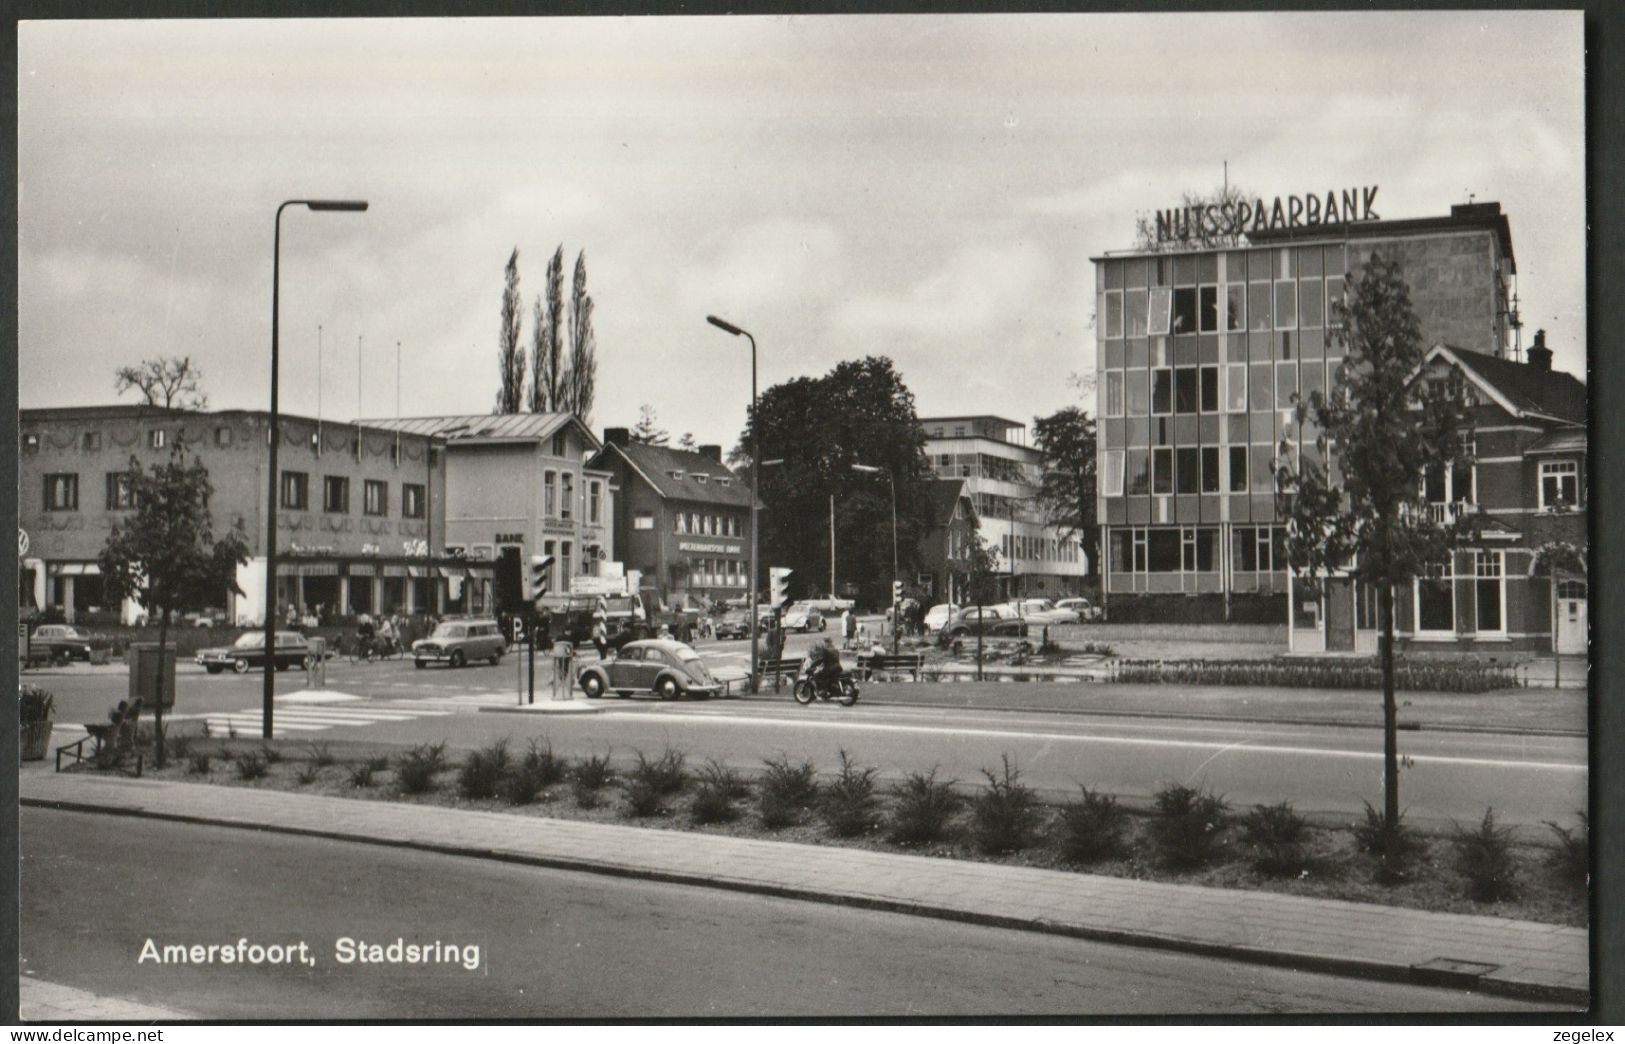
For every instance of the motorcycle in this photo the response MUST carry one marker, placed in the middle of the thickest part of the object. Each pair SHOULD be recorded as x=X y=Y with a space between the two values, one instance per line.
x=841 y=689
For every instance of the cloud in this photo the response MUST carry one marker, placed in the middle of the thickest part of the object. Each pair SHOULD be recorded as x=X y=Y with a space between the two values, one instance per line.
x=974 y=289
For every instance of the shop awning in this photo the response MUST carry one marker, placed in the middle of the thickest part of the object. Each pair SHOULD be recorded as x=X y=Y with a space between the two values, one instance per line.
x=417 y=572
x=318 y=569
x=363 y=569
x=391 y=569
x=74 y=569
x=454 y=572
x=481 y=572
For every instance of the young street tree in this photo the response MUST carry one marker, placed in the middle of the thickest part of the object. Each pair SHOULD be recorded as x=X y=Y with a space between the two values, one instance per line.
x=165 y=554
x=583 y=378
x=1385 y=429
x=172 y=383
x=1066 y=440
x=976 y=578
x=510 y=356
x=549 y=371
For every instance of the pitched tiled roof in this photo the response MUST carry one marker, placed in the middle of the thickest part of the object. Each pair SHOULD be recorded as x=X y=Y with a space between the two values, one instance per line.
x=945 y=494
x=480 y=425
x=704 y=480
x=1563 y=440
x=1550 y=393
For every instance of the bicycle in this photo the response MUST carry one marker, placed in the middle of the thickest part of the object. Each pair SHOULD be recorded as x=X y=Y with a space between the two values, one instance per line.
x=366 y=650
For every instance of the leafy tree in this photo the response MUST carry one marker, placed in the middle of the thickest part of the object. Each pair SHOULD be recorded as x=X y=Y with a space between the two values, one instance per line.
x=860 y=412
x=165 y=554
x=583 y=379
x=647 y=431
x=1066 y=440
x=1226 y=195
x=687 y=442
x=510 y=356
x=1384 y=428
x=549 y=371
x=976 y=582
x=172 y=383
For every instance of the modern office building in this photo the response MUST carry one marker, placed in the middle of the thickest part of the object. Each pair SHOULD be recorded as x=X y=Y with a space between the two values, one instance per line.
x=1199 y=354
x=361 y=522
x=1002 y=477
x=518 y=484
x=682 y=518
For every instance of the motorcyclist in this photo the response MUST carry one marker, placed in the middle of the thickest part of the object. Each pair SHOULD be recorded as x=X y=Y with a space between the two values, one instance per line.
x=364 y=633
x=823 y=665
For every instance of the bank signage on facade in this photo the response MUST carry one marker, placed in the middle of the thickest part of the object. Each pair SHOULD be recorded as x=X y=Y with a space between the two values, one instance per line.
x=1241 y=217
x=715 y=549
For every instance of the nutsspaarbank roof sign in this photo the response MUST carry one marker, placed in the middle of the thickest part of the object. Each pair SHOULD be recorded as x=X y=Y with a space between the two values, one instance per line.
x=1239 y=217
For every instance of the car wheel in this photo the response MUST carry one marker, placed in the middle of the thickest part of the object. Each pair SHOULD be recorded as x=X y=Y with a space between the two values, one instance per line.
x=496 y=658
x=213 y=668
x=668 y=689
x=823 y=625
x=240 y=665
x=592 y=686
x=457 y=658
x=419 y=664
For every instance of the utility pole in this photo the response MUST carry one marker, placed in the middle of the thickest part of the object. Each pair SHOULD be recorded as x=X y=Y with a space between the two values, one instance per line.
x=832 y=545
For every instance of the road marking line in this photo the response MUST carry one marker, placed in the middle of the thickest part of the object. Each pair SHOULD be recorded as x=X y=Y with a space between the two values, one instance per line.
x=1119 y=740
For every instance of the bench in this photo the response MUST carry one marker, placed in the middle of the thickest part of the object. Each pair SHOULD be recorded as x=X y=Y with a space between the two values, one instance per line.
x=886 y=663
x=786 y=665
x=114 y=739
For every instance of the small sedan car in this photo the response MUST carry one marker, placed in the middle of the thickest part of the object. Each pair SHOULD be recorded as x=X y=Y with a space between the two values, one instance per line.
x=249 y=651
x=457 y=642
x=735 y=623
x=1087 y=611
x=804 y=618
x=59 y=642
x=661 y=666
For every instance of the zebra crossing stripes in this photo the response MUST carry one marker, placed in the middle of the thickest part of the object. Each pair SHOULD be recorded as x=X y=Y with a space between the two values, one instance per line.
x=317 y=718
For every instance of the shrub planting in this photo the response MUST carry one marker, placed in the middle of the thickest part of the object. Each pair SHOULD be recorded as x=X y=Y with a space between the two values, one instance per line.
x=321 y=756
x=1396 y=855
x=1188 y=826
x=378 y=762
x=662 y=775
x=1484 y=857
x=198 y=763
x=1572 y=857
x=270 y=753
x=712 y=803
x=1092 y=828
x=482 y=771
x=922 y=808
x=539 y=768
x=847 y=803
x=642 y=799
x=786 y=792
x=1302 y=673
x=308 y=774
x=361 y=774
x=1005 y=815
x=415 y=771
x=1277 y=839
x=251 y=766
x=180 y=747
x=593 y=773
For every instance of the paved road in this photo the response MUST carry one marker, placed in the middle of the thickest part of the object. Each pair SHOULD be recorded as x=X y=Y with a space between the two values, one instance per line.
x=1527 y=779
x=554 y=943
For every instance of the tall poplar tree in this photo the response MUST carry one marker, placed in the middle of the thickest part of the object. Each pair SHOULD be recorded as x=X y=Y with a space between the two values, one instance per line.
x=549 y=369
x=510 y=356
x=583 y=377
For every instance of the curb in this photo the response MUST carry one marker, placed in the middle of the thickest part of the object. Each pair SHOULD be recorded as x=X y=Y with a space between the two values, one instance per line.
x=1349 y=967
x=545 y=707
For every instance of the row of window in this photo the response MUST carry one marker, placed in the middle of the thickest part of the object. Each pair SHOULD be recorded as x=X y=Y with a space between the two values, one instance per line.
x=1285 y=304
x=224 y=435
x=1195 y=549
x=1240 y=387
x=978 y=465
x=336 y=495
x=1188 y=469
x=559 y=495
x=1039 y=549
x=692 y=523
x=1435 y=601
x=716 y=572
x=678 y=474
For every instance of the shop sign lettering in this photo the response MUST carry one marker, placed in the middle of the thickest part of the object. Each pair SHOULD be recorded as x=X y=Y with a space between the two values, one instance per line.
x=1241 y=217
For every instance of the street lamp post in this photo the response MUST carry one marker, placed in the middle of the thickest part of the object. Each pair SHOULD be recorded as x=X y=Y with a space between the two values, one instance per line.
x=272 y=482
x=896 y=608
x=727 y=327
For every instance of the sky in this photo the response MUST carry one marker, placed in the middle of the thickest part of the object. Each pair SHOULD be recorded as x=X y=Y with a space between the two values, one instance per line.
x=929 y=188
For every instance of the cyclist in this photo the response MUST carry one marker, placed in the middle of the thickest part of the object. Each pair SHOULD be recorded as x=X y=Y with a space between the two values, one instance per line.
x=364 y=634
x=386 y=634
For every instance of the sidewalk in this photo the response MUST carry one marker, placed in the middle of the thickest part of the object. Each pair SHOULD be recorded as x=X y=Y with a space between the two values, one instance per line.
x=49 y=1002
x=1513 y=958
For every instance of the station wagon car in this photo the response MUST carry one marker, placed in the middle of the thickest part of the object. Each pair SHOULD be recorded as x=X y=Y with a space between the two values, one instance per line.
x=666 y=668
x=457 y=642
x=249 y=651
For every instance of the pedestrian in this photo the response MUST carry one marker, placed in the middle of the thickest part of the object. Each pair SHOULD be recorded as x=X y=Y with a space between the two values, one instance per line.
x=846 y=628
x=775 y=638
x=600 y=635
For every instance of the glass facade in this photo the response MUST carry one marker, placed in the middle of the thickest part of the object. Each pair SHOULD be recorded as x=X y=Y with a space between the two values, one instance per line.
x=1203 y=359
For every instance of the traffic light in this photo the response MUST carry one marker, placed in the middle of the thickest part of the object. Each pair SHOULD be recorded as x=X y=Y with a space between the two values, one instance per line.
x=896 y=591
x=779 y=584
x=540 y=577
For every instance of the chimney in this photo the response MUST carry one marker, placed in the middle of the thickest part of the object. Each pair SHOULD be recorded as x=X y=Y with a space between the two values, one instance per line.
x=1538 y=355
x=714 y=452
x=617 y=436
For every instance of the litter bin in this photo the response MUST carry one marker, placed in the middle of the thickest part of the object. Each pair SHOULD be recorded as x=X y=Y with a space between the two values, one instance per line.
x=144 y=674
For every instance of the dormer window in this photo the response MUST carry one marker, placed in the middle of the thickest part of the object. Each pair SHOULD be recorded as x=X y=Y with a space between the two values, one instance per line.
x=724 y=481
x=701 y=479
x=677 y=474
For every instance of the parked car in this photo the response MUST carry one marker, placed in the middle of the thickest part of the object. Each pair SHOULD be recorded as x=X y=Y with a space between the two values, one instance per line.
x=977 y=618
x=249 y=651
x=668 y=669
x=735 y=623
x=1087 y=611
x=938 y=616
x=1042 y=611
x=802 y=617
x=59 y=642
x=458 y=642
